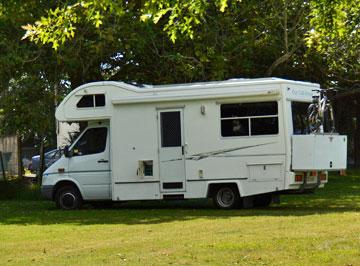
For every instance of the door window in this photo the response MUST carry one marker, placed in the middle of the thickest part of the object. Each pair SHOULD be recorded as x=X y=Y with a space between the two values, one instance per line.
x=170 y=125
x=91 y=142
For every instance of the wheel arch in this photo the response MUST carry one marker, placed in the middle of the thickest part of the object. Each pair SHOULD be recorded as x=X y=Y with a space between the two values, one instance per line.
x=66 y=182
x=212 y=187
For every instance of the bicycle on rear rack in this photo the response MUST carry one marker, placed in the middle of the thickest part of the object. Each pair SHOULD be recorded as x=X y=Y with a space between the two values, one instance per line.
x=321 y=113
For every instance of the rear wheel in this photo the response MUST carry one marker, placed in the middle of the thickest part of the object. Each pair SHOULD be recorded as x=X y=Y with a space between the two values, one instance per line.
x=262 y=201
x=68 y=198
x=226 y=197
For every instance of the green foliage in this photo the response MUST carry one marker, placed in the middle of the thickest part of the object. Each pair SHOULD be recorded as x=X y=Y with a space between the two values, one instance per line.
x=27 y=73
x=335 y=34
x=60 y=23
x=181 y=16
x=328 y=28
x=74 y=42
x=214 y=39
x=27 y=106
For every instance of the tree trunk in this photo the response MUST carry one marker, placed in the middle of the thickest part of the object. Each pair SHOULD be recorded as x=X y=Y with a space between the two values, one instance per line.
x=19 y=157
x=2 y=166
x=42 y=160
x=357 y=137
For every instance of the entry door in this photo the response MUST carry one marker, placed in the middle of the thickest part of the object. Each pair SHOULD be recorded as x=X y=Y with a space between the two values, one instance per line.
x=171 y=150
x=90 y=163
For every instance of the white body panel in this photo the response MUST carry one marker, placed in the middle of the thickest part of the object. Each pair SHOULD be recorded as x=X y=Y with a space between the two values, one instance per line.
x=319 y=152
x=256 y=164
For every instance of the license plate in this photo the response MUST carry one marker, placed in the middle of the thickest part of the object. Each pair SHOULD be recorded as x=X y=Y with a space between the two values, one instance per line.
x=311 y=179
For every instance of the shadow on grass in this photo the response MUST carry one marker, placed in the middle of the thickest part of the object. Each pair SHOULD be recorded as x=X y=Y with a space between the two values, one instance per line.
x=340 y=195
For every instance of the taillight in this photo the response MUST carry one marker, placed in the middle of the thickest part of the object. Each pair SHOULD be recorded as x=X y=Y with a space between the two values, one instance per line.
x=299 y=177
x=313 y=173
x=323 y=176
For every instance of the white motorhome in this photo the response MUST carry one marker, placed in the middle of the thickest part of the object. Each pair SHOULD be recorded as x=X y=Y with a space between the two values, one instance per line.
x=238 y=141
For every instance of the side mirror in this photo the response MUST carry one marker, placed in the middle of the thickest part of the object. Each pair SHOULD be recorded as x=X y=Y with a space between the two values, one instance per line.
x=67 y=152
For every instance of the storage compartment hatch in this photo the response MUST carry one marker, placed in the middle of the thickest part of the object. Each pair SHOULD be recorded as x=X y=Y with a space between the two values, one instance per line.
x=319 y=152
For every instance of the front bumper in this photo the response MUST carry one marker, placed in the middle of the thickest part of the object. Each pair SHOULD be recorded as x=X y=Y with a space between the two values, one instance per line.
x=47 y=191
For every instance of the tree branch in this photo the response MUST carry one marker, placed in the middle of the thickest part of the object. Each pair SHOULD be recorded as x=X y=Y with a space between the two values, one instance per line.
x=282 y=59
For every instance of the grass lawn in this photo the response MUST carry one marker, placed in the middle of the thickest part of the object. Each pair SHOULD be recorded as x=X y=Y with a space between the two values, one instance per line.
x=312 y=229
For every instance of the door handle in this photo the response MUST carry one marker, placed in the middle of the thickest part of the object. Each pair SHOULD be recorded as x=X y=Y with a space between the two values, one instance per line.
x=103 y=161
x=184 y=149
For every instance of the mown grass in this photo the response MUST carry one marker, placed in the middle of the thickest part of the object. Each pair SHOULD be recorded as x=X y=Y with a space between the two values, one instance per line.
x=312 y=229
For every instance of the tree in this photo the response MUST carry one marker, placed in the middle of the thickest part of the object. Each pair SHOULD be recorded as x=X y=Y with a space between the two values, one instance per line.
x=274 y=29
x=26 y=94
x=184 y=41
x=335 y=35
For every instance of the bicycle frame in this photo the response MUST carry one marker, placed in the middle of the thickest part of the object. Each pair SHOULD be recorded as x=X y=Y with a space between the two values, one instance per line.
x=317 y=112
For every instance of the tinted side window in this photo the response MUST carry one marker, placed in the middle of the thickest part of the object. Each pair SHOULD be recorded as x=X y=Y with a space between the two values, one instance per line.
x=96 y=100
x=91 y=142
x=300 y=118
x=264 y=126
x=99 y=100
x=235 y=127
x=249 y=119
x=249 y=109
x=86 y=101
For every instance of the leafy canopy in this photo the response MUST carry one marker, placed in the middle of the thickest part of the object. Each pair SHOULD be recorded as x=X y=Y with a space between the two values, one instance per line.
x=59 y=24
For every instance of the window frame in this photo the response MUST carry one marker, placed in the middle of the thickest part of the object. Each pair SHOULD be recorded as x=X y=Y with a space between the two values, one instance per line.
x=248 y=118
x=71 y=148
x=292 y=116
x=162 y=128
x=93 y=101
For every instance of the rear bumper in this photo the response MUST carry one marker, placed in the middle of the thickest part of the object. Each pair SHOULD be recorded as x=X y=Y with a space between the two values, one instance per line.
x=47 y=191
x=308 y=181
x=303 y=188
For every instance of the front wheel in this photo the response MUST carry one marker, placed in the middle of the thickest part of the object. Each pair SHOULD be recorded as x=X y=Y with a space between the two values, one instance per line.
x=68 y=198
x=226 y=197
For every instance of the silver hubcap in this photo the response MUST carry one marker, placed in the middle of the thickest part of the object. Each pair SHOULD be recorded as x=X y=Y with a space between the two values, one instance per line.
x=225 y=197
x=68 y=200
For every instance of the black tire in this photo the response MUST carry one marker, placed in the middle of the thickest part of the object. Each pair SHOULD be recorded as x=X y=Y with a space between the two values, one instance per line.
x=262 y=201
x=226 y=197
x=68 y=198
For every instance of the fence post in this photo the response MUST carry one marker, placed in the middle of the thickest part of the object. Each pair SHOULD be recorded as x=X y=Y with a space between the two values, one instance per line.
x=2 y=165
